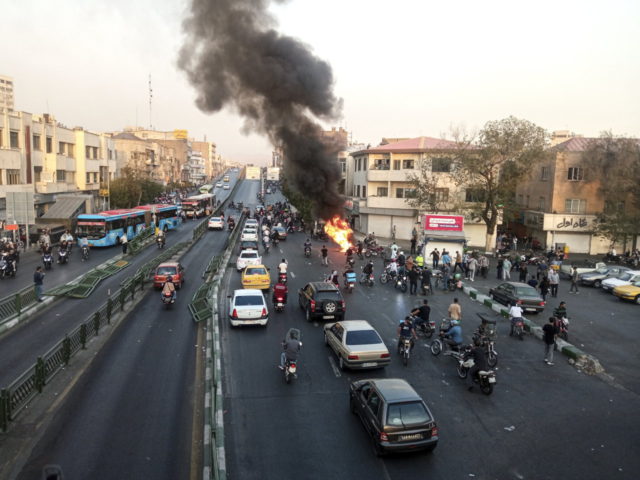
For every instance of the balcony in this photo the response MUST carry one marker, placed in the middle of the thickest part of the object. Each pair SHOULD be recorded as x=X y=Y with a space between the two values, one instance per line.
x=389 y=175
x=387 y=202
x=55 y=187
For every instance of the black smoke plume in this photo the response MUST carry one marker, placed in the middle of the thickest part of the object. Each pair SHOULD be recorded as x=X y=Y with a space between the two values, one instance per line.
x=234 y=57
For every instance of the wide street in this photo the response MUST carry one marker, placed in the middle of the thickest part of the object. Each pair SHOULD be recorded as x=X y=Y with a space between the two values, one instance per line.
x=541 y=422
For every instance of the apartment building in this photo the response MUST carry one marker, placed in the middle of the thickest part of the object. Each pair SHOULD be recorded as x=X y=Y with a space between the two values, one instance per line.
x=147 y=158
x=379 y=189
x=560 y=201
x=213 y=165
x=7 y=96
x=40 y=155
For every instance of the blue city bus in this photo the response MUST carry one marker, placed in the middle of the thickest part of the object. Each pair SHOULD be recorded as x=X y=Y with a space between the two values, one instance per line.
x=104 y=229
x=165 y=217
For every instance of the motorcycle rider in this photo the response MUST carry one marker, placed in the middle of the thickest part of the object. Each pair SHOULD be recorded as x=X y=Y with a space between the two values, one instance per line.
x=479 y=363
x=359 y=248
x=349 y=275
x=333 y=278
x=349 y=255
x=406 y=329
x=84 y=243
x=515 y=314
x=307 y=245
x=425 y=281
x=169 y=287
x=161 y=238
x=422 y=313
x=560 y=311
x=401 y=261
x=453 y=336
x=63 y=248
x=265 y=242
x=280 y=290
x=367 y=270
x=290 y=349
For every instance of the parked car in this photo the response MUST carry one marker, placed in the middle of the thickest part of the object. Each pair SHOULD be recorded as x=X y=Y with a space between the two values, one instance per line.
x=596 y=277
x=394 y=416
x=256 y=276
x=248 y=257
x=628 y=292
x=247 y=245
x=583 y=266
x=526 y=296
x=356 y=344
x=281 y=232
x=322 y=300
x=173 y=269
x=216 y=223
x=627 y=278
x=249 y=234
x=248 y=307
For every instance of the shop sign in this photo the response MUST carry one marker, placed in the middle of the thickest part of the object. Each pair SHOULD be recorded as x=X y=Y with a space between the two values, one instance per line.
x=569 y=223
x=444 y=223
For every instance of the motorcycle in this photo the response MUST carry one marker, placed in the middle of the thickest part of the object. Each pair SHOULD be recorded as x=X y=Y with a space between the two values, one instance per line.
x=282 y=277
x=266 y=247
x=387 y=275
x=488 y=345
x=47 y=261
x=7 y=267
x=518 y=329
x=231 y=226
x=374 y=251
x=307 y=252
x=562 y=325
x=424 y=328
x=486 y=379
x=367 y=279
x=438 y=344
x=350 y=282
x=404 y=349
x=160 y=243
x=85 y=253
x=168 y=299
x=290 y=370
x=401 y=282
x=63 y=257
x=350 y=262
x=279 y=304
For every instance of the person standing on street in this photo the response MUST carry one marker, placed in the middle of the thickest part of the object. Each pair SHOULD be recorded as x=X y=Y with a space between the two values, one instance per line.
x=484 y=266
x=124 y=242
x=550 y=331
x=574 y=280
x=472 y=265
x=413 y=281
x=544 y=288
x=325 y=253
x=524 y=272
x=554 y=280
x=458 y=263
x=413 y=245
x=506 y=269
x=454 y=310
x=435 y=255
x=38 y=280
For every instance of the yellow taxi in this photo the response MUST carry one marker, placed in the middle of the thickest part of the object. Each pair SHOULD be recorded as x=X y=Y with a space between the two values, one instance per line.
x=256 y=276
x=628 y=292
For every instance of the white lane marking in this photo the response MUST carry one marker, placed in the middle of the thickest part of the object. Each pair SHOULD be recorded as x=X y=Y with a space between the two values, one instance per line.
x=280 y=250
x=334 y=367
x=293 y=275
x=316 y=324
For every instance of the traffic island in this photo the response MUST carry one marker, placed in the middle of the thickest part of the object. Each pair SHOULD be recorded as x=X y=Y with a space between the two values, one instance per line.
x=581 y=360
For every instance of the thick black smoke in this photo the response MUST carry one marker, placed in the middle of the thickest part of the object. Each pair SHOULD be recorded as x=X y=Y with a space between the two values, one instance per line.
x=234 y=56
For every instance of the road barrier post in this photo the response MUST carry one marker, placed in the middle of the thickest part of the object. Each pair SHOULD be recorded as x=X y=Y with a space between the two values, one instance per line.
x=66 y=349
x=96 y=322
x=83 y=336
x=40 y=374
x=109 y=308
x=18 y=303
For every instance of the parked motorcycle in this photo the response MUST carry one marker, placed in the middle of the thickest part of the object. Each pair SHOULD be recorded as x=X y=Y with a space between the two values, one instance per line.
x=47 y=261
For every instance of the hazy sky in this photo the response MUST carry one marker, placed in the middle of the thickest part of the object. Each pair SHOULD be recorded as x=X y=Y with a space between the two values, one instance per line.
x=403 y=68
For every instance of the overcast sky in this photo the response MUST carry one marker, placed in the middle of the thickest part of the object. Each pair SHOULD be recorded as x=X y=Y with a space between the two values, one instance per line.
x=403 y=68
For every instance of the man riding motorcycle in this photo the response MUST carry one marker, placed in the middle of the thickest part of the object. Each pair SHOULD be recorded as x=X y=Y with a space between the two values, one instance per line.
x=479 y=363
x=280 y=290
x=307 y=245
x=291 y=348
x=161 y=237
x=406 y=330
x=368 y=269
x=422 y=313
x=169 y=287
x=453 y=337
x=515 y=314
x=349 y=276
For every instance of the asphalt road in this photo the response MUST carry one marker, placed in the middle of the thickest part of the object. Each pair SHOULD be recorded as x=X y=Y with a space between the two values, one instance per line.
x=541 y=422
x=132 y=413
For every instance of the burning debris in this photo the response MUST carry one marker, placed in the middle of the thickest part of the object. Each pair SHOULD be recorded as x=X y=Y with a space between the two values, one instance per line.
x=340 y=232
x=234 y=57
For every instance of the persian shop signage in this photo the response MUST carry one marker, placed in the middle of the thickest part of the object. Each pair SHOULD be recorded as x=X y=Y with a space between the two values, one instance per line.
x=444 y=223
x=570 y=223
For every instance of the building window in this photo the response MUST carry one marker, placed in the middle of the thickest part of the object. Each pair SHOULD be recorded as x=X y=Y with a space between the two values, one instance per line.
x=544 y=174
x=49 y=145
x=441 y=195
x=357 y=190
x=343 y=164
x=382 y=192
x=88 y=178
x=541 y=204
x=13 y=139
x=60 y=177
x=364 y=190
x=441 y=165
x=37 y=173
x=405 y=192
x=110 y=154
x=474 y=195
x=13 y=177
x=396 y=164
x=382 y=164
x=407 y=164
x=95 y=177
x=575 y=205
x=575 y=174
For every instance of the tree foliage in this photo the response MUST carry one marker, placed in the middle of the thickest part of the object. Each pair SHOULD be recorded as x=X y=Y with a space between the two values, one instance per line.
x=426 y=185
x=128 y=190
x=302 y=203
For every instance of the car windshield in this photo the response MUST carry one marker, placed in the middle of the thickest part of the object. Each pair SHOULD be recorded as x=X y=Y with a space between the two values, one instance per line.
x=249 y=255
x=215 y=219
x=602 y=270
x=526 y=292
x=248 y=300
x=363 y=337
x=327 y=295
x=409 y=413
x=166 y=271
x=255 y=271
x=625 y=277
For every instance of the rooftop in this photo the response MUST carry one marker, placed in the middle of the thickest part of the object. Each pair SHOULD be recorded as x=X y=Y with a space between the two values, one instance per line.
x=418 y=144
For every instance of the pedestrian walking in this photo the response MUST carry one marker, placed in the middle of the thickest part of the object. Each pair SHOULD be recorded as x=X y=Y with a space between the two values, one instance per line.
x=544 y=288
x=554 y=280
x=38 y=281
x=524 y=272
x=484 y=266
x=124 y=242
x=413 y=281
x=413 y=245
x=472 y=265
x=506 y=269
x=455 y=310
x=550 y=331
x=574 y=280
x=499 y=268
x=325 y=253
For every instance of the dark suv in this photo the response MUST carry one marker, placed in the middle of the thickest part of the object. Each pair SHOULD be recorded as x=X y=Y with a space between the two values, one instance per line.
x=394 y=415
x=321 y=300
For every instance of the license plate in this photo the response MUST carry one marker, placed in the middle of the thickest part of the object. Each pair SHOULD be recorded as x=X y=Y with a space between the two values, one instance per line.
x=530 y=309
x=327 y=316
x=370 y=364
x=405 y=438
x=492 y=380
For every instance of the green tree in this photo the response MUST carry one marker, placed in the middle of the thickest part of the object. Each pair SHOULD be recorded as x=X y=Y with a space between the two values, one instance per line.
x=128 y=190
x=494 y=161
x=427 y=188
x=302 y=203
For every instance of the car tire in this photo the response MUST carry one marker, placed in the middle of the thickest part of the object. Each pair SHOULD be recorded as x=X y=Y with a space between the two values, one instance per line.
x=638 y=300
x=597 y=284
x=308 y=315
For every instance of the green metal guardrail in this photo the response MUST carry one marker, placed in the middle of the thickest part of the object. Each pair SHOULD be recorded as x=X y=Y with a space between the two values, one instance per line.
x=89 y=281
x=14 y=304
x=200 y=306
x=137 y=243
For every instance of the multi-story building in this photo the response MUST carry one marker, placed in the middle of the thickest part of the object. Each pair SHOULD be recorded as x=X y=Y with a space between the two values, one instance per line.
x=560 y=201
x=379 y=188
x=147 y=158
x=42 y=156
x=211 y=159
x=7 y=99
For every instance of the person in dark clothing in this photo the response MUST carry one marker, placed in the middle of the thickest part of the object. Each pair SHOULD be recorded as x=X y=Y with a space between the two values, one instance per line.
x=325 y=252
x=413 y=245
x=499 y=268
x=479 y=363
x=544 y=288
x=550 y=331
x=422 y=313
x=524 y=271
x=413 y=281
x=425 y=281
x=38 y=280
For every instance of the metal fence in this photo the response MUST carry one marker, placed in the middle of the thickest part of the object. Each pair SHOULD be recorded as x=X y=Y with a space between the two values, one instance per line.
x=16 y=303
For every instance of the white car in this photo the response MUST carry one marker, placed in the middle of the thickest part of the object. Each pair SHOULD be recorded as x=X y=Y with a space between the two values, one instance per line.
x=219 y=184
x=248 y=257
x=251 y=222
x=226 y=186
x=627 y=278
x=248 y=307
x=216 y=223
x=249 y=234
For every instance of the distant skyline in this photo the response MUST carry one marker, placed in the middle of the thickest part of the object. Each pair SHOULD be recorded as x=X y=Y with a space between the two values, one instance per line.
x=403 y=69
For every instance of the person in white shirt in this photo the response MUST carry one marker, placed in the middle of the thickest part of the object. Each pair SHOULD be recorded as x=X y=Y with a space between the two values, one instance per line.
x=515 y=314
x=282 y=268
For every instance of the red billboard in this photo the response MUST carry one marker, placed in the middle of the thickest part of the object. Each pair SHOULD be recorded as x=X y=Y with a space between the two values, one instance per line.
x=444 y=223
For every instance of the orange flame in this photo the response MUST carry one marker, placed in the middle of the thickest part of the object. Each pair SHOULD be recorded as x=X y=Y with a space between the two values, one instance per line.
x=340 y=232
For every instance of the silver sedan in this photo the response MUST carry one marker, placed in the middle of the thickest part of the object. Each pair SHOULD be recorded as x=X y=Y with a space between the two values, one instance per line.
x=356 y=344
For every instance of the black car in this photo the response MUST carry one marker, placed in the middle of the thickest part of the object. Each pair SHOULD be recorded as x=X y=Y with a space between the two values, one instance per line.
x=248 y=245
x=322 y=300
x=394 y=415
x=526 y=296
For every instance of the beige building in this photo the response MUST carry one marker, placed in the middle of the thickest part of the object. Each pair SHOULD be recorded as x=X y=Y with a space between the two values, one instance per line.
x=379 y=189
x=7 y=94
x=212 y=160
x=560 y=202
x=149 y=159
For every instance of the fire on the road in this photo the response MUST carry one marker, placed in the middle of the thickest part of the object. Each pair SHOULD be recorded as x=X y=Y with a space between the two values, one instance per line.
x=340 y=232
